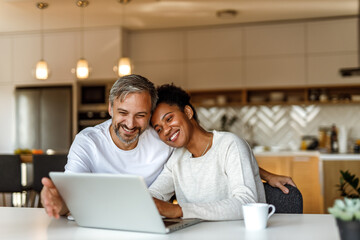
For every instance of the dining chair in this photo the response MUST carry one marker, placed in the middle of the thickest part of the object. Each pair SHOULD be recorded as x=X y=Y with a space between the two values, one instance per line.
x=284 y=203
x=10 y=177
x=42 y=165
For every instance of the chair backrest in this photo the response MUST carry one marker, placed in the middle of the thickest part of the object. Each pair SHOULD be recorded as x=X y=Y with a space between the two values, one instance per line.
x=43 y=164
x=10 y=173
x=284 y=203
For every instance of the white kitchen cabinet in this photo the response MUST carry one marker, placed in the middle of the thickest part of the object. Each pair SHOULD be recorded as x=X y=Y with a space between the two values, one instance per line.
x=280 y=71
x=214 y=74
x=323 y=69
x=26 y=50
x=274 y=39
x=5 y=60
x=332 y=45
x=164 y=72
x=214 y=58
x=60 y=54
x=157 y=46
x=275 y=55
x=332 y=36
x=214 y=43
x=7 y=121
x=102 y=50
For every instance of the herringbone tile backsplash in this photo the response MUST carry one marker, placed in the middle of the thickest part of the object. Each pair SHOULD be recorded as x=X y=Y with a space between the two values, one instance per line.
x=280 y=125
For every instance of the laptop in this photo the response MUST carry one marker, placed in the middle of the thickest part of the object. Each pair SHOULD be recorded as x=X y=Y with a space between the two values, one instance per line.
x=112 y=201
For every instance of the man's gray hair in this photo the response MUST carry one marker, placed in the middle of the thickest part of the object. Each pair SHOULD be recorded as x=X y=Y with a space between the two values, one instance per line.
x=132 y=84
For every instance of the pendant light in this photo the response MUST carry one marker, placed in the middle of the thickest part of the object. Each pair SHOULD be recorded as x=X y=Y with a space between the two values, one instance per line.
x=82 y=66
x=42 y=70
x=124 y=63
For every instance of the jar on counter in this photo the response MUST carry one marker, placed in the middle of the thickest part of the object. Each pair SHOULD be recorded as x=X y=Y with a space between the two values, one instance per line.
x=357 y=146
x=324 y=136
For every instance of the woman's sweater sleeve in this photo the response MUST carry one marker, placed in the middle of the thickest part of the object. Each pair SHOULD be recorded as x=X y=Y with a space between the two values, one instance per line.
x=163 y=187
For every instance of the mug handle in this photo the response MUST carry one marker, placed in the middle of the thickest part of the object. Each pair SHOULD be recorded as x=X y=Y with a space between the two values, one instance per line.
x=272 y=211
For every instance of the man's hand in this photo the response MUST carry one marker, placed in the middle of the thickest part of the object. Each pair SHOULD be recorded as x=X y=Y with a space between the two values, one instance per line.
x=51 y=199
x=276 y=180
x=167 y=209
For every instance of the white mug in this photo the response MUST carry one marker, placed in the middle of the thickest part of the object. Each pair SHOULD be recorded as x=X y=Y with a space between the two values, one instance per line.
x=256 y=215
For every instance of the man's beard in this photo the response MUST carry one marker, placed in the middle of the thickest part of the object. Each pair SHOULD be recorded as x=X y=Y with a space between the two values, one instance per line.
x=127 y=141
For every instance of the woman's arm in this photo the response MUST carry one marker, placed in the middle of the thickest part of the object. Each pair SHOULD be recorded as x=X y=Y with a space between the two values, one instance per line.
x=163 y=186
x=276 y=180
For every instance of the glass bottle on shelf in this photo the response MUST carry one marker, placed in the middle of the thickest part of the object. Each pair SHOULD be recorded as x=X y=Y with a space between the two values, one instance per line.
x=334 y=147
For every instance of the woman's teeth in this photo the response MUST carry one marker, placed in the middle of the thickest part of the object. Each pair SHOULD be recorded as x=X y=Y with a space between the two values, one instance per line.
x=174 y=135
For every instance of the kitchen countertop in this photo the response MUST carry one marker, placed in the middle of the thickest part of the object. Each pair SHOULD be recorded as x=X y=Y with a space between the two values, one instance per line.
x=322 y=156
x=339 y=156
x=286 y=153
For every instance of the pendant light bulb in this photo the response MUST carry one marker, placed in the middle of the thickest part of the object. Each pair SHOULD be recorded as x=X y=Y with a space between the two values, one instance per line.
x=42 y=71
x=82 y=66
x=82 y=69
x=124 y=66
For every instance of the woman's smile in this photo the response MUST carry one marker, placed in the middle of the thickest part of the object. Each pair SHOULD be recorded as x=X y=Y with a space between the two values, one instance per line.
x=174 y=136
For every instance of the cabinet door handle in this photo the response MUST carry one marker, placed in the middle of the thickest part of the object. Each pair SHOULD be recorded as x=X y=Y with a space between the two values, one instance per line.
x=301 y=159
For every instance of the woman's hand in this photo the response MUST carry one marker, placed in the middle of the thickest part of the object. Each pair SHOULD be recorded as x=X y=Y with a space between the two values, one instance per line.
x=276 y=180
x=167 y=209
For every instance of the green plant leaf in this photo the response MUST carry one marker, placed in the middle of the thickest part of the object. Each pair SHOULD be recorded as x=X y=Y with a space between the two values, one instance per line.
x=348 y=186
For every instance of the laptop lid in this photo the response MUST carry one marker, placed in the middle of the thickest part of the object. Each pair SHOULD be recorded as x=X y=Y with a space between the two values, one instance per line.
x=112 y=201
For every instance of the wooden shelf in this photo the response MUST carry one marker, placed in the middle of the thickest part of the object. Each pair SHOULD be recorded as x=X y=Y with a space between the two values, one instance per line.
x=276 y=96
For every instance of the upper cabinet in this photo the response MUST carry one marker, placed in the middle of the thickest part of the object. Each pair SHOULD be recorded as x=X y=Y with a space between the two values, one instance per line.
x=214 y=43
x=331 y=45
x=332 y=36
x=61 y=51
x=275 y=40
x=214 y=58
x=272 y=55
x=60 y=54
x=26 y=53
x=102 y=50
x=275 y=55
x=159 y=56
x=5 y=60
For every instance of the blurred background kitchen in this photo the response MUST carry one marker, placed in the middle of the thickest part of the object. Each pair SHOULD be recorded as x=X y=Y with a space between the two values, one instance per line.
x=282 y=74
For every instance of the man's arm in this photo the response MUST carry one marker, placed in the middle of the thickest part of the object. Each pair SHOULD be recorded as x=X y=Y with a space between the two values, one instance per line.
x=276 y=180
x=51 y=199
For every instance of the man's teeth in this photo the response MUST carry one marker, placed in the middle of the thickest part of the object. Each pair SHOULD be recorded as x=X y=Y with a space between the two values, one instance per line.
x=174 y=136
x=128 y=130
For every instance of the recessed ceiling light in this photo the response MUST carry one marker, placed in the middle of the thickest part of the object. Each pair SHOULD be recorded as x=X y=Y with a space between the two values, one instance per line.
x=226 y=13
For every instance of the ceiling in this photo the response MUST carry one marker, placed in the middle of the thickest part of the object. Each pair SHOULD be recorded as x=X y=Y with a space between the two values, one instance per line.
x=23 y=15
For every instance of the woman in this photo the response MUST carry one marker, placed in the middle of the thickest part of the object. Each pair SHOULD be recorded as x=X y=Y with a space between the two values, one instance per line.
x=212 y=173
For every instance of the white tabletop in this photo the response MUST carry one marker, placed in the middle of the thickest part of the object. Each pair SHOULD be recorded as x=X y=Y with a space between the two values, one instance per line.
x=33 y=223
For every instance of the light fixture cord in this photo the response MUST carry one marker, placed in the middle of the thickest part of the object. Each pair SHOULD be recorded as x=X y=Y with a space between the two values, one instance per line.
x=42 y=34
x=82 y=31
x=358 y=33
x=122 y=24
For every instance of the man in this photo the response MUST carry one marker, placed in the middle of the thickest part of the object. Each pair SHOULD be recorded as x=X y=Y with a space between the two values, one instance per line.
x=124 y=144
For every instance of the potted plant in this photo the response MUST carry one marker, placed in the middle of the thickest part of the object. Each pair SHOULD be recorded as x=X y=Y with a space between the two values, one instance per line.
x=347 y=211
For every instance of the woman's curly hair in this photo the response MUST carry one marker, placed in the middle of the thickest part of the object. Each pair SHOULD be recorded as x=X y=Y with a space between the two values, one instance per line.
x=173 y=95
